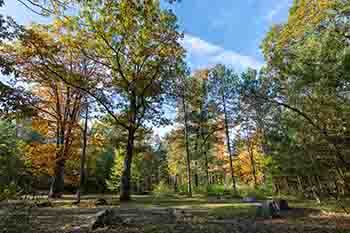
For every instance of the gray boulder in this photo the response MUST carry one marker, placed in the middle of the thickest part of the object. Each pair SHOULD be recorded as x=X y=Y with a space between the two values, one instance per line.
x=104 y=218
x=268 y=209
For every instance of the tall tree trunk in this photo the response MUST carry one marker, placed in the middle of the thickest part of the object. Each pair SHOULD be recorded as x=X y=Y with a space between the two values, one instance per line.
x=204 y=121
x=196 y=180
x=188 y=156
x=175 y=184
x=252 y=161
x=65 y=126
x=125 y=188
x=83 y=156
x=234 y=188
x=57 y=183
x=206 y=169
x=204 y=150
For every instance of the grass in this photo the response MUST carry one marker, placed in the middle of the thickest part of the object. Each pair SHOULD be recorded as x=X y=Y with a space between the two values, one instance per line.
x=198 y=201
x=232 y=210
x=206 y=211
x=327 y=206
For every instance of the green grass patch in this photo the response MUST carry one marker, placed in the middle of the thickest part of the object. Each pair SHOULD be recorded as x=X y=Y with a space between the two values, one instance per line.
x=232 y=210
x=327 y=206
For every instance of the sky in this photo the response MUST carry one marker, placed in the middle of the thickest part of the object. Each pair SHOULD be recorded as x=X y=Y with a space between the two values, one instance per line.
x=228 y=31
x=215 y=31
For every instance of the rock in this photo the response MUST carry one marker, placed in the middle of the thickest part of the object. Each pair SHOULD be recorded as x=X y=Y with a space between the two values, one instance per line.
x=101 y=201
x=44 y=204
x=249 y=199
x=127 y=221
x=76 y=230
x=106 y=218
x=268 y=209
x=283 y=204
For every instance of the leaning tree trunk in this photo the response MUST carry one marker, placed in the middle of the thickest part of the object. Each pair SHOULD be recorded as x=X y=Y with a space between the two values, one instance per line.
x=83 y=156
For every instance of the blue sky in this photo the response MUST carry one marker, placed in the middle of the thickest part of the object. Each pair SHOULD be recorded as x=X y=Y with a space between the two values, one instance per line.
x=216 y=31
x=228 y=31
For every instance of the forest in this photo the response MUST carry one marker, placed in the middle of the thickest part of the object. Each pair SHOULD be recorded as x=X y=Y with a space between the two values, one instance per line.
x=102 y=117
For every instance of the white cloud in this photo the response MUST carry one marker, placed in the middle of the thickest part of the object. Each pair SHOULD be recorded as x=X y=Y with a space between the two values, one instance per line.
x=202 y=53
x=198 y=46
x=233 y=58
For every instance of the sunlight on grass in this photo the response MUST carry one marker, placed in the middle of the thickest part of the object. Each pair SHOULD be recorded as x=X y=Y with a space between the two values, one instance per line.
x=233 y=211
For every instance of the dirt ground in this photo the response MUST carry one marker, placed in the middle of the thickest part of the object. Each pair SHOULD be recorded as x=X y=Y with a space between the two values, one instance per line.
x=178 y=215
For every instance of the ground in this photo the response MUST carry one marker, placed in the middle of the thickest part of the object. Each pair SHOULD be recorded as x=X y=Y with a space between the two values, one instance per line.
x=175 y=214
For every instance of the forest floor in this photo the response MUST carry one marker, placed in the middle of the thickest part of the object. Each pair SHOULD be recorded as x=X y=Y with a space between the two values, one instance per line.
x=147 y=214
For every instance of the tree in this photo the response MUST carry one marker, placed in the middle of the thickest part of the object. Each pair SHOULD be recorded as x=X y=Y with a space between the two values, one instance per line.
x=250 y=163
x=82 y=176
x=140 y=49
x=177 y=164
x=42 y=57
x=308 y=70
x=113 y=183
x=185 y=87
x=11 y=161
x=223 y=82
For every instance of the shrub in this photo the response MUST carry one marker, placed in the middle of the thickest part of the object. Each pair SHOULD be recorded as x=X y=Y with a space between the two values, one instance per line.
x=162 y=189
x=217 y=190
x=258 y=192
x=8 y=191
x=200 y=189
